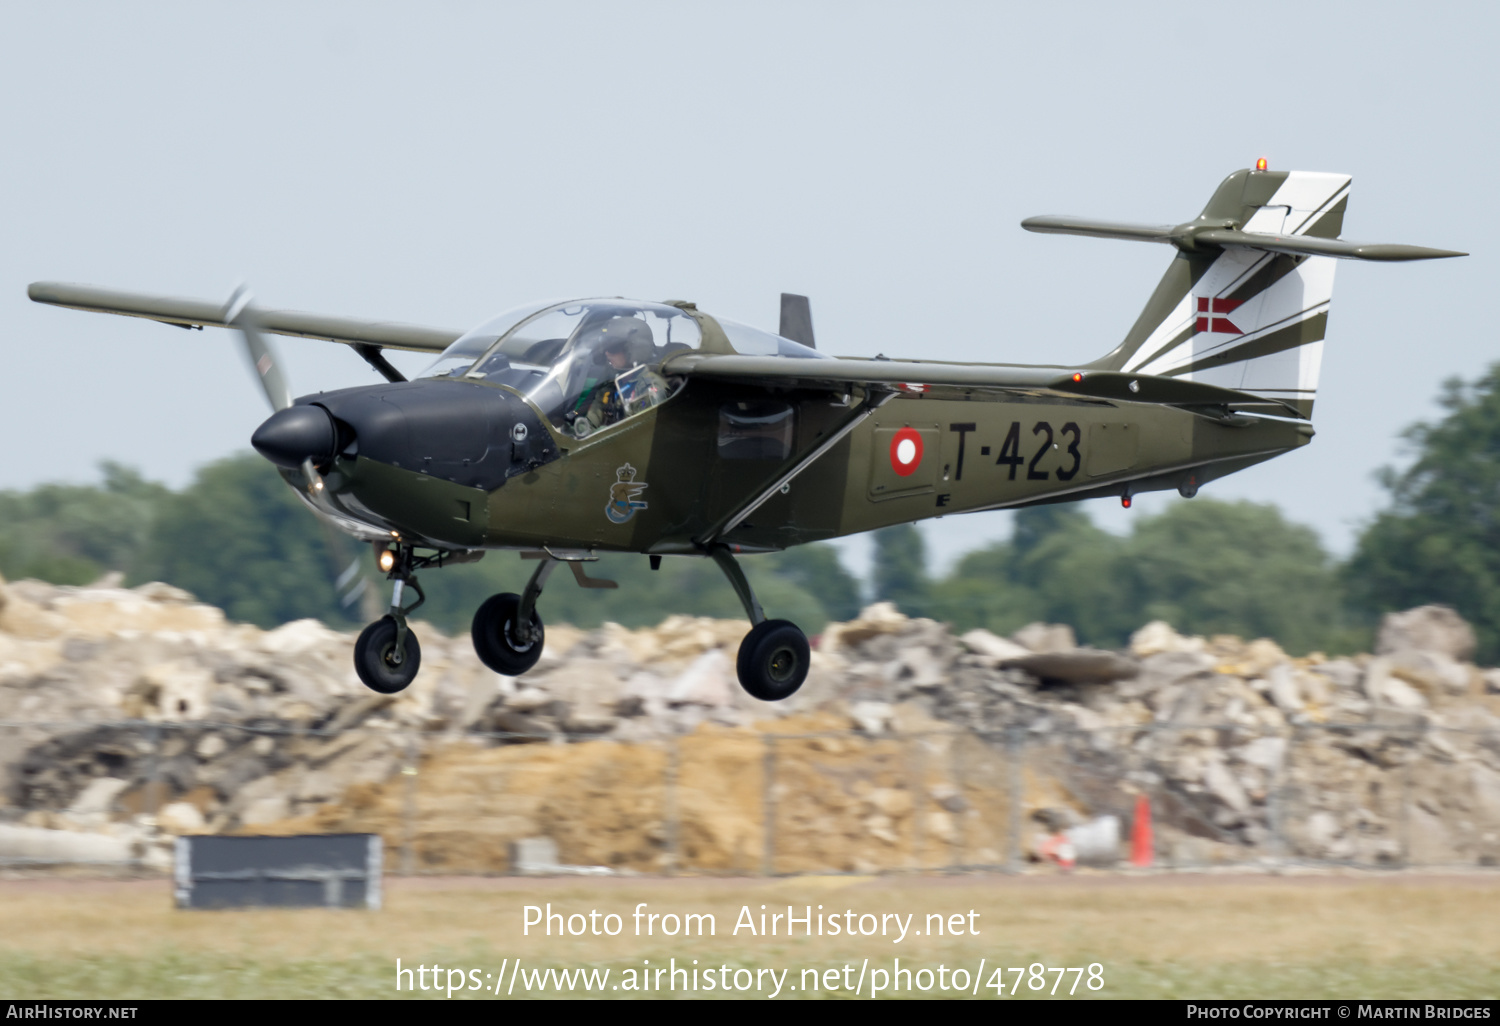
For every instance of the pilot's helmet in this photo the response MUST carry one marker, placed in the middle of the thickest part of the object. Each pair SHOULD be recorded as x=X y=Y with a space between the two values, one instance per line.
x=630 y=334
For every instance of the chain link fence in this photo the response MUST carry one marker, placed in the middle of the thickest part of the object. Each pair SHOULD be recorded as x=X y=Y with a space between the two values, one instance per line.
x=735 y=801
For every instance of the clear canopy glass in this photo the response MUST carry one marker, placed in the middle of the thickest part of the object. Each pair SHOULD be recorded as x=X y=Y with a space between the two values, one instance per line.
x=750 y=341
x=471 y=345
x=585 y=363
x=589 y=363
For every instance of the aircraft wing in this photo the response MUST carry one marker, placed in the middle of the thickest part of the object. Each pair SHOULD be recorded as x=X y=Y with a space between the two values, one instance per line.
x=195 y=313
x=913 y=375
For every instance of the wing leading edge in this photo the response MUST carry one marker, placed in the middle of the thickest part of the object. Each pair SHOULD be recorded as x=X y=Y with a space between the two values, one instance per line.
x=189 y=313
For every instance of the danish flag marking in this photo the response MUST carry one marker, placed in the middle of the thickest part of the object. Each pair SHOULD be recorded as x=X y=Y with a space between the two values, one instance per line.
x=1211 y=316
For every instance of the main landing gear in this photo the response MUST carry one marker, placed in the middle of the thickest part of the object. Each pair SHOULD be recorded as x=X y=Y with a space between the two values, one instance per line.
x=774 y=657
x=507 y=630
x=508 y=633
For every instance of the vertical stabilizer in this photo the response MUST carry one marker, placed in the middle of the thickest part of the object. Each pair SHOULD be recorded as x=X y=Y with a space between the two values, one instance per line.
x=1236 y=315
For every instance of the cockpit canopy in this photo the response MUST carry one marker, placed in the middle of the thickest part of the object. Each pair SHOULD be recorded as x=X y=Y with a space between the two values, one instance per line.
x=588 y=363
x=567 y=357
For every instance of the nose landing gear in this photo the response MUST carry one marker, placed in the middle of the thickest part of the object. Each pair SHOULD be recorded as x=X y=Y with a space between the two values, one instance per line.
x=384 y=660
x=387 y=655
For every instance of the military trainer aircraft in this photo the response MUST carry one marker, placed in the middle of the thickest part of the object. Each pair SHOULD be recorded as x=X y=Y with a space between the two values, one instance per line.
x=561 y=430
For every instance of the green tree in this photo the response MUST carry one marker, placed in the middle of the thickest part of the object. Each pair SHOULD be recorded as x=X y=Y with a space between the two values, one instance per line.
x=1075 y=572
x=1211 y=567
x=794 y=586
x=1440 y=539
x=239 y=539
x=1058 y=567
x=1206 y=567
x=71 y=534
x=900 y=569
x=980 y=592
x=817 y=570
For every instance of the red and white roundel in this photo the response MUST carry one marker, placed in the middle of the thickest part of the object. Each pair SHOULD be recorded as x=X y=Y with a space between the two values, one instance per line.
x=906 y=451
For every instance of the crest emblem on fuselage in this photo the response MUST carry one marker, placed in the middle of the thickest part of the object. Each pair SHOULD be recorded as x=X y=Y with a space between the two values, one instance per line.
x=623 y=503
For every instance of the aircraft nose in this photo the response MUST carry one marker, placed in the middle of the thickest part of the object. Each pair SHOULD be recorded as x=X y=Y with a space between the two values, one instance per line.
x=467 y=434
x=297 y=433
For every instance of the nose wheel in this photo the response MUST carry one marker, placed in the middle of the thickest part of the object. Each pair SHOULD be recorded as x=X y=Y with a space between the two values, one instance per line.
x=384 y=662
x=387 y=654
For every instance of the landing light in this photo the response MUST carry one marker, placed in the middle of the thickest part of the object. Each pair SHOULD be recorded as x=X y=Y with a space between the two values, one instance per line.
x=386 y=560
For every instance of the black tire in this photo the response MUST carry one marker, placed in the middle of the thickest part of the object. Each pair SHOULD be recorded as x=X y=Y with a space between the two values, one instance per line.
x=373 y=657
x=773 y=660
x=494 y=638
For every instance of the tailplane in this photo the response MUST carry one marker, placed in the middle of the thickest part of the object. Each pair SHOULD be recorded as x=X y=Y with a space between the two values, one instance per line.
x=1244 y=304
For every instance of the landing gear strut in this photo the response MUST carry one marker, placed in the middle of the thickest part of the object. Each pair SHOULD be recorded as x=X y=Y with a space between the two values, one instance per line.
x=774 y=657
x=387 y=655
x=507 y=630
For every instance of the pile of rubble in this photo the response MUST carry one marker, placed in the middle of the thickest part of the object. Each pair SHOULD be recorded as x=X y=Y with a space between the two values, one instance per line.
x=131 y=715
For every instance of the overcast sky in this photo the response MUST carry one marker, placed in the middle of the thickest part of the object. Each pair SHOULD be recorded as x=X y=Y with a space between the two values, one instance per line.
x=438 y=163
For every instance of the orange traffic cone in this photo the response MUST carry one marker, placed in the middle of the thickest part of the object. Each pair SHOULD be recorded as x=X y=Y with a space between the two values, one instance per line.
x=1142 y=845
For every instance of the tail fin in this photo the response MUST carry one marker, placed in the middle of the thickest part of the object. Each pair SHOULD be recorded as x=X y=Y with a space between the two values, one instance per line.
x=1244 y=304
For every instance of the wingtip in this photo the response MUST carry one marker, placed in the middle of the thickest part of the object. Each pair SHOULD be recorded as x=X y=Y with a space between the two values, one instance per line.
x=1415 y=253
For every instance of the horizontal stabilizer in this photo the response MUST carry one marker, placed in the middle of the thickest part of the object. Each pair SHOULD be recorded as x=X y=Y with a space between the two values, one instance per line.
x=1195 y=235
x=1066 y=224
x=200 y=312
x=1308 y=245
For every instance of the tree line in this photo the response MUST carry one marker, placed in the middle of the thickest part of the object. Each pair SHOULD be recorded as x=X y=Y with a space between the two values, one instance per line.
x=236 y=537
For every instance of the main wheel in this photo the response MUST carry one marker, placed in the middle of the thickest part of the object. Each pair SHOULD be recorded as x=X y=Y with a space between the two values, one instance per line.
x=495 y=639
x=377 y=662
x=773 y=660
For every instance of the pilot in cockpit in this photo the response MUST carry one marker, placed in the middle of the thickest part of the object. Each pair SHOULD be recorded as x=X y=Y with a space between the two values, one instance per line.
x=629 y=385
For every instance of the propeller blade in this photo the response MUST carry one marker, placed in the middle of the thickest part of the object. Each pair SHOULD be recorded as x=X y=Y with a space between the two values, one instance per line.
x=239 y=312
x=351 y=584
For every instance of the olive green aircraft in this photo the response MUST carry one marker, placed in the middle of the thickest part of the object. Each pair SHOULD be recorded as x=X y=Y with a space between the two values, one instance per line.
x=562 y=430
